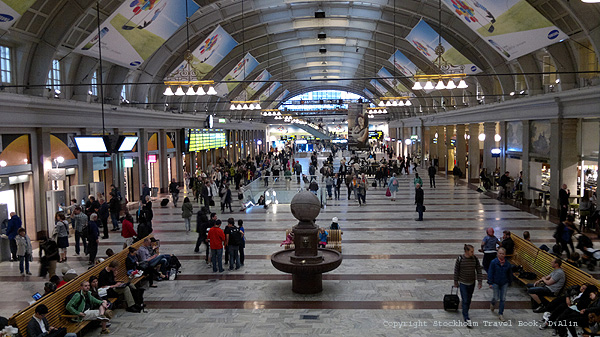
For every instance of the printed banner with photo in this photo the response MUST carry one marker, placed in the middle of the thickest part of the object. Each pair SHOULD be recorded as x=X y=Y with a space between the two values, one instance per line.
x=258 y=83
x=368 y=93
x=239 y=73
x=11 y=11
x=425 y=39
x=380 y=88
x=358 y=127
x=392 y=82
x=279 y=99
x=136 y=30
x=403 y=64
x=210 y=52
x=512 y=27
x=269 y=91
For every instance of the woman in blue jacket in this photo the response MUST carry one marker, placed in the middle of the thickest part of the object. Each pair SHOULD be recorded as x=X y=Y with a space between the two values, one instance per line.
x=499 y=277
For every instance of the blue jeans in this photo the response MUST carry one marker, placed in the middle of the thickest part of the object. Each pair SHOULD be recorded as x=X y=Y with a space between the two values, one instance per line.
x=187 y=224
x=115 y=220
x=162 y=260
x=328 y=190
x=466 y=293
x=499 y=295
x=216 y=256
x=234 y=256
x=24 y=258
x=79 y=236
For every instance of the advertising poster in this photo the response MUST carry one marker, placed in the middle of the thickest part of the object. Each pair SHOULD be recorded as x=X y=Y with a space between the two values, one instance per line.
x=269 y=91
x=11 y=11
x=392 y=82
x=403 y=64
x=512 y=27
x=368 y=93
x=210 y=52
x=514 y=136
x=380 y=88
x=242 y=69
x=255 y=86
x=279 y=98
x=425 y=39
x=358 y=127
x=136 y=30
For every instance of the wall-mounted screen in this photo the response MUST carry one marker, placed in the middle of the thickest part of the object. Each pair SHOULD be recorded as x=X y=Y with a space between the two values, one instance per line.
x=127 y=144
x=90 y=144
x=204 y=139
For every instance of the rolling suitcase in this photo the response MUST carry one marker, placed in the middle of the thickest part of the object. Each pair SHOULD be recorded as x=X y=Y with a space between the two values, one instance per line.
x=451 y=300
x=164 y=202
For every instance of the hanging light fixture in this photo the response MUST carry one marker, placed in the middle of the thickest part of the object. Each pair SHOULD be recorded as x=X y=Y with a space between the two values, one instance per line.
x=428 y=86
x=186 y=75
x=451 y=85
x=417 y=86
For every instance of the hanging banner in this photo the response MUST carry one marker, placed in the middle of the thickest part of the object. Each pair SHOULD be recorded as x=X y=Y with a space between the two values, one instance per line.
x=238 y=73
x=255 y=86
x=425 y=39
x=12 y=10
x=513 y=27
x=269 y=91
x=210 y=52
x=392 y=82
x=279 y=98
x=136 y=30
x=382 y=90
x=358 y=127
x=368 y=93
x=403 y=64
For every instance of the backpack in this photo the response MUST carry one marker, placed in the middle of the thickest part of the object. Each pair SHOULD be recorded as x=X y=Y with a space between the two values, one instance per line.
x=174 y=262
x=235 y=237
x=334 y=225
x=70 y=297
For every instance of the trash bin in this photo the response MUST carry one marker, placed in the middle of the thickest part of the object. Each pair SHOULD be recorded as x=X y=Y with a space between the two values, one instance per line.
x=4 y=249
x=154 y=192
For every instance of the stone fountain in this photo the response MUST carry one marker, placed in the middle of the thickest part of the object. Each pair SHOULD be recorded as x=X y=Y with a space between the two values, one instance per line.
x=306 y=262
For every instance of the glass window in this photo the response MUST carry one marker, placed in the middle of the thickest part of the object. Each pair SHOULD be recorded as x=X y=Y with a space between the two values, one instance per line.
x=94 y=84
x=124 y=94
x=330 y=98
x=5 y=65
x=54 y=78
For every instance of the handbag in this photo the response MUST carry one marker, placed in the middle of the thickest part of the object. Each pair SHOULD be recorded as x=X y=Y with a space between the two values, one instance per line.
x=388 y=193
x=211 y=202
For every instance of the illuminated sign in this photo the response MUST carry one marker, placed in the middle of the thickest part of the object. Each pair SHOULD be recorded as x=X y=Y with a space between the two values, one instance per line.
x=204 y=139
x=375 y=134
x=152 y=158
x=496 y=152
x=341 y=141
x=301 y=141
x=127 y=162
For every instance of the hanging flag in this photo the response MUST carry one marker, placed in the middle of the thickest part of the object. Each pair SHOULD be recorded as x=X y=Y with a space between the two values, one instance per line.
x=241 y=70
x=12 y=10
x=269 y=91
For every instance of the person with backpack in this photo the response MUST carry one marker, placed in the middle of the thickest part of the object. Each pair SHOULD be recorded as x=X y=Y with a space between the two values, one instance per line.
x=233 y=240
x=467 y=270
x=81 y=304
x=334 y=224
x=93 y=234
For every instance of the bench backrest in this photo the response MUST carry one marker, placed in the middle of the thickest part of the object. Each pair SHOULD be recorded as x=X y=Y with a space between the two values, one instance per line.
x=56 y=301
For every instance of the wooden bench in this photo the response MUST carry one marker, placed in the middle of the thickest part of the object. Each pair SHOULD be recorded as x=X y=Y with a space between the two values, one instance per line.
x=57 y=313
x=539 y=262
x=334 y=239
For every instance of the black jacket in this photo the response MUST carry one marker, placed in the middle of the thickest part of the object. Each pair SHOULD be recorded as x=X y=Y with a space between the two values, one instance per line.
x=432 y=171
x=419 y=196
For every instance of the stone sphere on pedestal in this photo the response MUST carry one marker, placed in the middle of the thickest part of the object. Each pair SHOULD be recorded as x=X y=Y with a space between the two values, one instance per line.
x=305 y=206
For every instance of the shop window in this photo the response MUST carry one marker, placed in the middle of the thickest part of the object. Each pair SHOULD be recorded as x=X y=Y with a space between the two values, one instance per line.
x=54 y=78
x=5 y=64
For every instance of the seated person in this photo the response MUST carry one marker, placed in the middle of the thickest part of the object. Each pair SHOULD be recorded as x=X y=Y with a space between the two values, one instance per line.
x=322 y=237
x=548 y=285
x=49 y=288
x=56 y=280
x=99 y=293
x=81 y=304
x=107 y=279
x=148 y=256
x=577 y=314
x=38 y=326
x=557 y=306
x=575 y=260
x=109 y=252
x=508 y=243
x=133 y=267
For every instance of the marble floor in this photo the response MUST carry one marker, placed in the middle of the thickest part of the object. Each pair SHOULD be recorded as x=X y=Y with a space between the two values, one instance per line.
x=392 y=280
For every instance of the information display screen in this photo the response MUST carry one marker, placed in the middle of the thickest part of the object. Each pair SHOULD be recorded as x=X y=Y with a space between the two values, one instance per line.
x=205 y=139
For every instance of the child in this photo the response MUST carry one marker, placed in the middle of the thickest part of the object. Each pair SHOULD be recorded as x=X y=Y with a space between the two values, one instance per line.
x=322 y=237
x=288 y=240
x=24 y=251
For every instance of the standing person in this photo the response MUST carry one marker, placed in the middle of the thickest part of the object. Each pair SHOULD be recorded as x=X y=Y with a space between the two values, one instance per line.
x=174 y=190
x=50 y=257
x=148 y=213
x=297 y=171
x=79 y=220
x=564 y=234
x=233 y=241
x=114 y=206
x=24 y=251
x=145 y=192
x=226 y=199
x=329 y=186
x=419 y=200
x=288 y=178
x=467 y=270
x=128 y=232
x=216 y=238
x=499 y=277
x=431 y=171
x=202 y=226
x=187 y=210
x=206 y=194
x=61 y=233
x=243 y=245
x=417 y=180
x=457 y=173
x=563 y=200
x=337 y=183
x=103 y=214
x=93 y=234
x=362 y=190
x=349 y=184
x=12 y=230
x=393 y=186
x=488 y=247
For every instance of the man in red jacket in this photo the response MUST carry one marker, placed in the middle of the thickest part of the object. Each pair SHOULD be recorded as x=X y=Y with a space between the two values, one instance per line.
x=128 y=232
x=216 y=237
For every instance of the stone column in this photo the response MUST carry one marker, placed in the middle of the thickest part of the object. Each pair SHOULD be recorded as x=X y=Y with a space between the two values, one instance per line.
x=441 y=148
x=525 y=163
x=502 y=146
x=118 y=174
x=433 y=150
x=564 y=158
x=142 y=149
x=41 y=162
x=178 y=156
x=474 y=153
x=461 y=148
x=489 y=129
x=162 y=161
x=449 y=134
x=422 y=140
x=85 y=163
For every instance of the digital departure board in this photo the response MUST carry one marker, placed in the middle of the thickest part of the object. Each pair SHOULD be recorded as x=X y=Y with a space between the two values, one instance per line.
x=205 y=139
